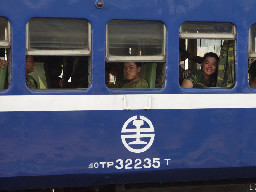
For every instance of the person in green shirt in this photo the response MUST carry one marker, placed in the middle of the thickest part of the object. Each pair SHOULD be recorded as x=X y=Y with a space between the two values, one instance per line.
x=30 y=65
x=131 y=72
x=207 y=77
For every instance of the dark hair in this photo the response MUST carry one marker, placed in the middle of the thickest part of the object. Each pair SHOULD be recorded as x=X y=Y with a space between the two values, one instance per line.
x=211 y=54
x=136 y=63
x=252 y=69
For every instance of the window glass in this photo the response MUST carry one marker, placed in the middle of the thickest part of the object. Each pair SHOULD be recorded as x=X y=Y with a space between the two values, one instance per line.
x=207 y=55
x=5 y=53
x=4 y=30
x=58 y=34
x=135 y=38
x=252 y=39
x=135 y=54
x=207 y=30
x=58 y=53
x=252 y=57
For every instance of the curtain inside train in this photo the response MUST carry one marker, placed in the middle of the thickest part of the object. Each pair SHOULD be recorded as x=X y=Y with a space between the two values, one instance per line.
x=226 y=67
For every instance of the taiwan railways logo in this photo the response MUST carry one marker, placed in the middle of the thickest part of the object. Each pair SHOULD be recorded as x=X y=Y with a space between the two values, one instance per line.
x=138 y=134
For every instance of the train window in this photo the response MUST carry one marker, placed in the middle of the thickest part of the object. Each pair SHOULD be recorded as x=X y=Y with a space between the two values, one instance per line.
x=135 y=54
x=60 y=50
x=199 y=30
x=5 y=53
x=252 y=39
x=252 y=57
x=4 y=32
x=207 y=55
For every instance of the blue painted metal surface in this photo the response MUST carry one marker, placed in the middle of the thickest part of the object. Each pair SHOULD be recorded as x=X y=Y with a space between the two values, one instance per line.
x=208 y=144
x=66 y=142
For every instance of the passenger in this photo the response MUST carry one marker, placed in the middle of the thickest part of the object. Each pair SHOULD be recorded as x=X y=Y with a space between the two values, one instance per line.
x=131 y=72
x=183 y=55
x=132 y=75
x=252 y=74
x=181 y=69
x=3 y=63
x=207 y=76
x=30 y=65
x=55 y=70
x=75 y=68
x=3 y=74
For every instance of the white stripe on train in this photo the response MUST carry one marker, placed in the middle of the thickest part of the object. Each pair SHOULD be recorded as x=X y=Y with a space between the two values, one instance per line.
x=124 y=102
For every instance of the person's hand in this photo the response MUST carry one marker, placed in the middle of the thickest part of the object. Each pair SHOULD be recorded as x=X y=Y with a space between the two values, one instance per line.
x=3 y=63
x=63 y=83
x=185 y=74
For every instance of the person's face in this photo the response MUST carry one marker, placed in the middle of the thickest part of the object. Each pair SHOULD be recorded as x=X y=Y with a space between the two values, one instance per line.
x=30 y=64
x=209 y=66
x=131 y=71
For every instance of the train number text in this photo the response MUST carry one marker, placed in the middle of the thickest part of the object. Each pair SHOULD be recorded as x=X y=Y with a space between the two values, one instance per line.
x=130 y=164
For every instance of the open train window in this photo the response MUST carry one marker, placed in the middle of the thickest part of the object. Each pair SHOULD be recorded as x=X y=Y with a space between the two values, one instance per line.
x=60 y=49
x=252 y=57
x=135 y=54
x=5 y=53
x=207 y=55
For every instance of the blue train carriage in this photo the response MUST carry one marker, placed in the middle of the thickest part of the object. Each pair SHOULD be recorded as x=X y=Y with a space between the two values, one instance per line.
x=68 y=118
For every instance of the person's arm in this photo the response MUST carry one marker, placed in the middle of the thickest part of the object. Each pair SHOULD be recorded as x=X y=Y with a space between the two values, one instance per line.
x=186 y=84
x=196 y=59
